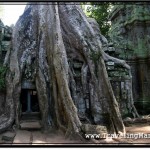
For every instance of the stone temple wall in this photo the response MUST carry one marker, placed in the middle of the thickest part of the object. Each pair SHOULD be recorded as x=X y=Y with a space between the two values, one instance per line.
x=130 y=34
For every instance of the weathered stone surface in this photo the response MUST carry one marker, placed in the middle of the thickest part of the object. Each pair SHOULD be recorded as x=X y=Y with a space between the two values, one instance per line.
x=47 y=41
x=129 y=121
x=8 y=136
x=5 y=41
x=29 y=125
x=119 y=75
x=22 y=136
x=130 y=33
x=38 y=138
x=28 y=85
x=94 y=129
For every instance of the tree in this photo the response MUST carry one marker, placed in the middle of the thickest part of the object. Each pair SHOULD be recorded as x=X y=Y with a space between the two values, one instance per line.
x=100 y=12
x=47 y=40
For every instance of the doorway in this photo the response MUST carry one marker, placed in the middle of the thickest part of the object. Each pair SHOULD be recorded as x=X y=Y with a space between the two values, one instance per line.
x=29 y=101
x=29 y=115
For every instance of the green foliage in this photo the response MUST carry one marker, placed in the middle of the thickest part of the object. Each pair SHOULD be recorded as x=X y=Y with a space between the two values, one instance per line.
x=100 y=12
x=2 y=76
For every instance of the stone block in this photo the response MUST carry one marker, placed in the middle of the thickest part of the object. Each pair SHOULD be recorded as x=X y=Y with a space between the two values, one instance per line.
x=8 y=136
x=30 y=125
x=94 y=129
x=22 y=136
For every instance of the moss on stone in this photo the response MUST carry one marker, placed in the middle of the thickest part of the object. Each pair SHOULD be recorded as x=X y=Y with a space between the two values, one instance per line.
x=128 y=47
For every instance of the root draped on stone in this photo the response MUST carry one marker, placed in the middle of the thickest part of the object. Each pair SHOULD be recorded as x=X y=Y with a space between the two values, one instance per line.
x=46 y=40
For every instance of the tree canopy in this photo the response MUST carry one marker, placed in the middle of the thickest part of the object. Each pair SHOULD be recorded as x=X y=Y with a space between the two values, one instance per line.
x=100 y=12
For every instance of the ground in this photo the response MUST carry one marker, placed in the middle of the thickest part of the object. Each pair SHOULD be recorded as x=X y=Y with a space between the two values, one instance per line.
x=36 y=137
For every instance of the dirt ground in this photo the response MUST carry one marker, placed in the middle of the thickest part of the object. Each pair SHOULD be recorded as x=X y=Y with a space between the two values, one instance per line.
x=141 y=129
x=39 y=138
x=137 y=134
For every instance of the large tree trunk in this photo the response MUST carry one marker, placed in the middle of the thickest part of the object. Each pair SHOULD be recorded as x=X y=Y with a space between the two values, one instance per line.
x=47 y=42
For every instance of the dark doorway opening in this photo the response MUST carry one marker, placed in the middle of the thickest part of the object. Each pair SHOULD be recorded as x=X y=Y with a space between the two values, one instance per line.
x=29 y=115
x=29 y=101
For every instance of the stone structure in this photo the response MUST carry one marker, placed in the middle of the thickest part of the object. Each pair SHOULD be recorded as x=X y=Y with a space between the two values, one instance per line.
x=56 y=50
x=27 y=85
x=61 y=76
x=57 y=69
x=119 y=75
x=130 y=33
x=5 y=40
x=120 y=81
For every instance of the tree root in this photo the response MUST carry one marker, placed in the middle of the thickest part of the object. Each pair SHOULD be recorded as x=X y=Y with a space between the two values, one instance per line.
x=123 y=63
x=49 y=21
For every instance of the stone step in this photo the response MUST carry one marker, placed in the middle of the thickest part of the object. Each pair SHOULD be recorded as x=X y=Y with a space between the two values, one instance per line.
x=30 y=125
x=30 y=116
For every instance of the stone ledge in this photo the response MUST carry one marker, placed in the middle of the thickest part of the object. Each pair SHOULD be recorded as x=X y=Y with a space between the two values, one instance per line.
x=30 y=125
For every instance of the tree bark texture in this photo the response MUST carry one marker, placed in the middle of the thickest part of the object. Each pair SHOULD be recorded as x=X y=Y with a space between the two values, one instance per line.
x=55 y=46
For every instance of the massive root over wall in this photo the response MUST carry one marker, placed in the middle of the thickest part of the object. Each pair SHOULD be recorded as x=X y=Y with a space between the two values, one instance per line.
x=55 y=47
